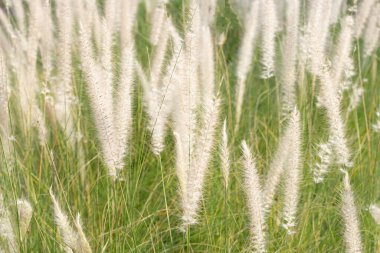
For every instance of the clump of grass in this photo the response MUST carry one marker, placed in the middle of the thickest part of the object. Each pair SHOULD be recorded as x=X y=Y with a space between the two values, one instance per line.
x=140 y=88
x=75 y=241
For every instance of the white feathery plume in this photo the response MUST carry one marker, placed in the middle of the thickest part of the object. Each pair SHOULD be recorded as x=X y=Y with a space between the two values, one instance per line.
x=64 y=97
x=195 y=148
x=74 y=240
x=321 y=40
x=36 y=22
x=6 y=230
x=207 y=65
x=83 y=243
x=269 y=26
x=122 y=116
x=160 y=98
x=176 y=39
x=241 y=8
x=364 y=11
x=375 y=212
x=205 y=138
x=316 y=34
x=157 y=90
x=157 y=94
x=19 y=14
x=293 y=174
x=336 y=10
x=372 y=31
x=5 y=128
x=178 y=46
x=25 y=48
x=149 y=5
x=245 y=55
x=112 y=112
x=348 y=76
x=35 y=16
x=32 y=33
x=330 y=99
x=189 y=208
x=4 y=40
x=128 y=16
x=8 y=31
x=25 y=212
x=23 y=60
x=7 y=25
x=64 y=38
x=118 y=14
x=331 y=89
x=181 y=167
x=39 y=123
x=28 y=103
x=289 y=56
x=158 y=111
x=199 y=162
x=325 y=156
x=110 y=8
x=106 y=61
x=28 y=76
x=141 y=75
x=274 y=175
x=100 y=104
x=46 y=43
x=208 y=9
x=12 y=42
x=204 y=146
x=342 y=59
x=196 y=145
x=338 y=138
x=315 y=10
x=191 y=53
x=279 y=162
x=94 y=22
x=355 y=96
x=123 y=99
x=158 y=21
x=69 y=236
x=159 y=56
x=225 y=155
x=187 y=85
x=27 y=87
x=253 y=191
x=79 y=8
x=280 y=10
x=87 y=15
x=351 y=221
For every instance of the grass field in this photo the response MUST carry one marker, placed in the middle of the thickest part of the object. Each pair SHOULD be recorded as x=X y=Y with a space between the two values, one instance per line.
x=140 y=212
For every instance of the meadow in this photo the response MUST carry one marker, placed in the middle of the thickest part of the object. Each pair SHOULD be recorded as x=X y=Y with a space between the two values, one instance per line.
x=189 y=126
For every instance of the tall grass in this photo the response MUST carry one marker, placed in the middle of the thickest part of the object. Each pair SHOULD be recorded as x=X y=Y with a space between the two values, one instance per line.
x=113 y=109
